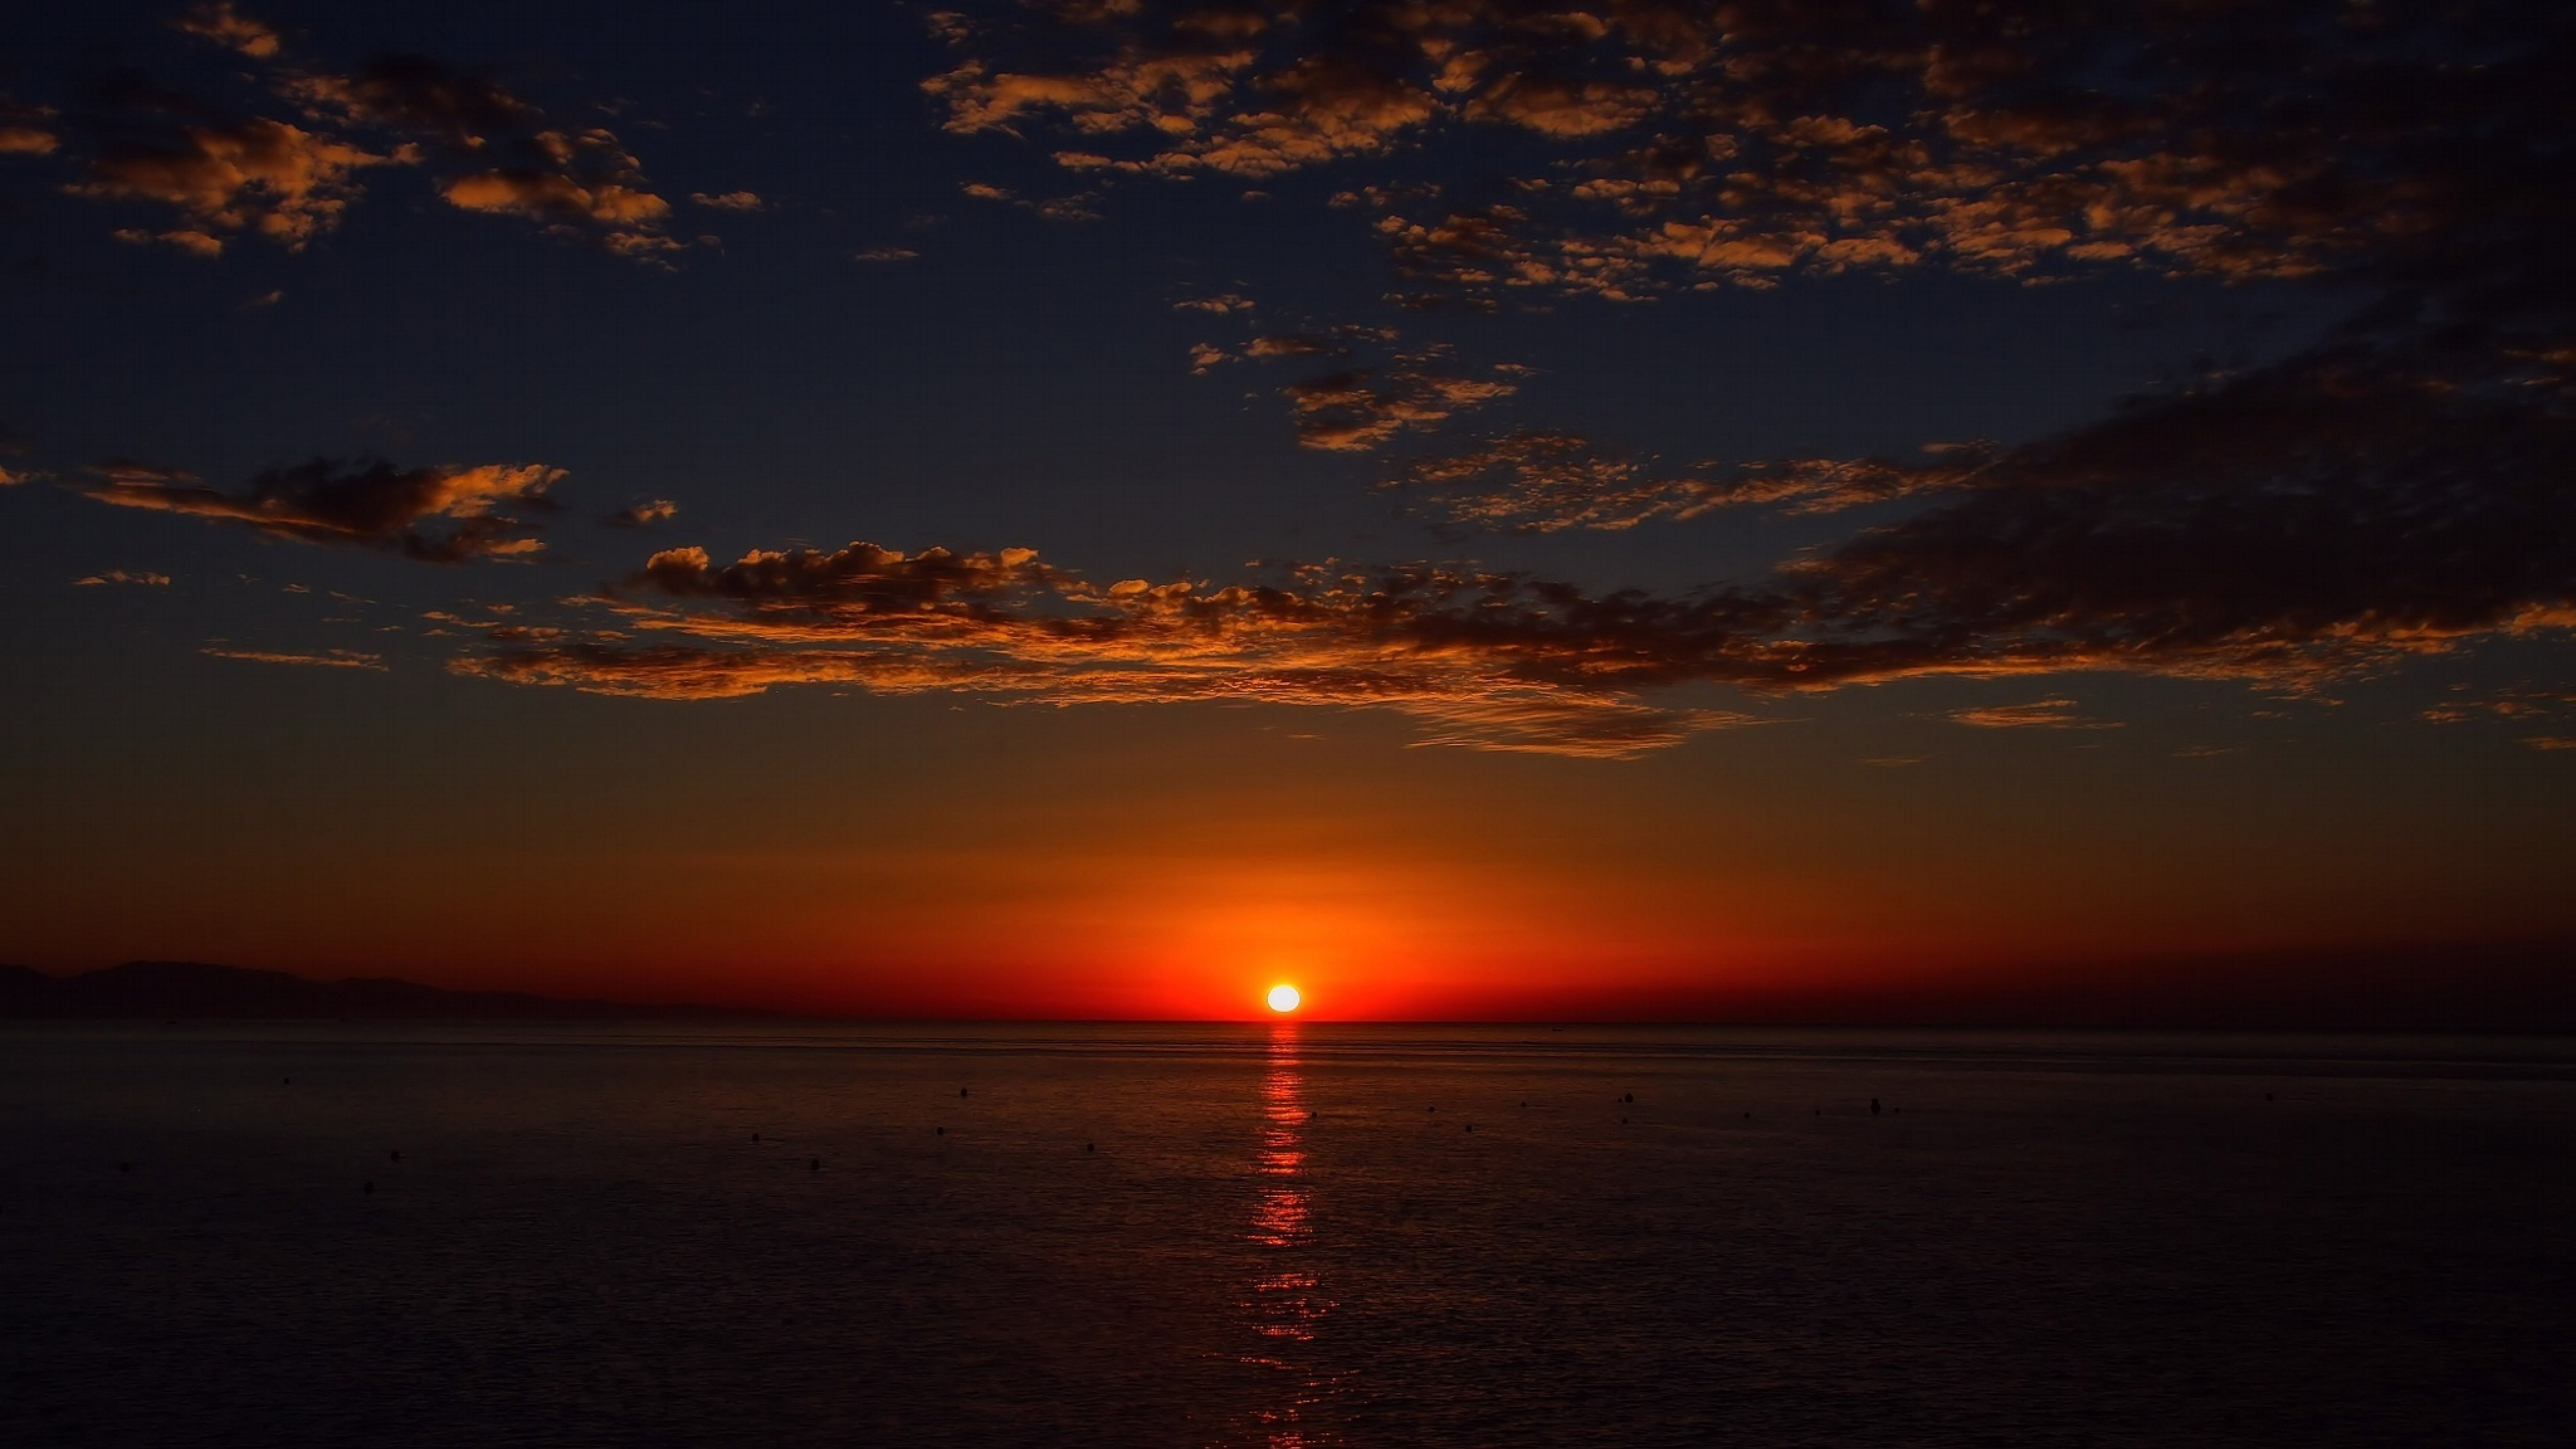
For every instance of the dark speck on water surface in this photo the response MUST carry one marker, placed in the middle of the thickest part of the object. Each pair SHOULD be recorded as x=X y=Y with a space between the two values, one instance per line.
x=2077 y=1239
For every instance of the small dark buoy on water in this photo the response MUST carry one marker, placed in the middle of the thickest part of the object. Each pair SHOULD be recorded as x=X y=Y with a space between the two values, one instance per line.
x=125 y=1167
x=369 y=1189
x=1471 y=1126
x=942 y=1131
x=397 y=1155
x=961 y=1091
x=815 y=1166
x=289 y=1082
x=1090 y=1147
x=1873 y=1106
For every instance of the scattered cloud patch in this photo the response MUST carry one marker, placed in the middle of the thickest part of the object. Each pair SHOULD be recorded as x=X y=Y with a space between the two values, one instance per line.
x=285 y=164
x=221 y=23
x=643 y=515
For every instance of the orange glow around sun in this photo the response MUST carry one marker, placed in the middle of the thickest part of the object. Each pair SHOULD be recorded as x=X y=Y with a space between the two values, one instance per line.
x=1283 y=998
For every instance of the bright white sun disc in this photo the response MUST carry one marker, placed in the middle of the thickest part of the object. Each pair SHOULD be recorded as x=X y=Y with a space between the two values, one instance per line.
x=1283 y=998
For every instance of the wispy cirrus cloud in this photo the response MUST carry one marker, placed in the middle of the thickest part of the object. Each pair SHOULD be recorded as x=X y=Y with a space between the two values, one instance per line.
x=1540 y=480
x=326 y=659
x=2046 y=714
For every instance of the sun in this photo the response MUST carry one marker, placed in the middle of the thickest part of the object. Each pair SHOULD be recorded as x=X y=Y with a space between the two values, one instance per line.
x=1283 y=998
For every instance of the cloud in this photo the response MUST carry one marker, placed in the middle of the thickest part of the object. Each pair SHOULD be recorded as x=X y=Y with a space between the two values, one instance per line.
x=439 y=515
x=331 y=659
x=1540 y=480
x=226 y=27
x=2052 y=714
x=1480 y=660
x=2392 y=493
x=729 y=201
x=1360 y=408
x=575 y=180
x=121 y=576
x=643 y=515
x=279 y=181
x=1676 y=146
x=887 y=254
x=291 y=177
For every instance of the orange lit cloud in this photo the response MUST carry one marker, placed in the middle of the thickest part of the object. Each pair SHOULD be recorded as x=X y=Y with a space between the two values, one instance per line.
x=643 y=515
x=278 y=180
x=229 y=28
x=1486 y=661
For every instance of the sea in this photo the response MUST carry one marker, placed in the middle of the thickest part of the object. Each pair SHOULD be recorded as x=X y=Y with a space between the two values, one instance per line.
x=479 y=1234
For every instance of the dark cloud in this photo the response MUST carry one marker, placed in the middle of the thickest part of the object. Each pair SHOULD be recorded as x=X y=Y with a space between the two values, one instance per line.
x=2382 y=496
x=439 y=515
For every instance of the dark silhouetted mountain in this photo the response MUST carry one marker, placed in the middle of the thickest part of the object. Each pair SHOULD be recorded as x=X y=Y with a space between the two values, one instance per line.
x=174 y=989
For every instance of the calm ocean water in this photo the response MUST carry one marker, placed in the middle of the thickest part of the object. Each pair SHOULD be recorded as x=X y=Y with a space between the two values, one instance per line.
x=1145 y=1235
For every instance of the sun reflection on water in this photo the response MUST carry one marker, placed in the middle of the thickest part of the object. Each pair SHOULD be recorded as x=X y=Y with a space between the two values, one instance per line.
x=1287 y=1301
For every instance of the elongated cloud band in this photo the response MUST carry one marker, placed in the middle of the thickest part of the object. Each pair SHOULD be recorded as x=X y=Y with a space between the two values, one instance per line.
x=439 y=515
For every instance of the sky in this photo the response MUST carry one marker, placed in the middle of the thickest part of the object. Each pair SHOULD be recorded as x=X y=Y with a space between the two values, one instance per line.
x=1845 y=510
